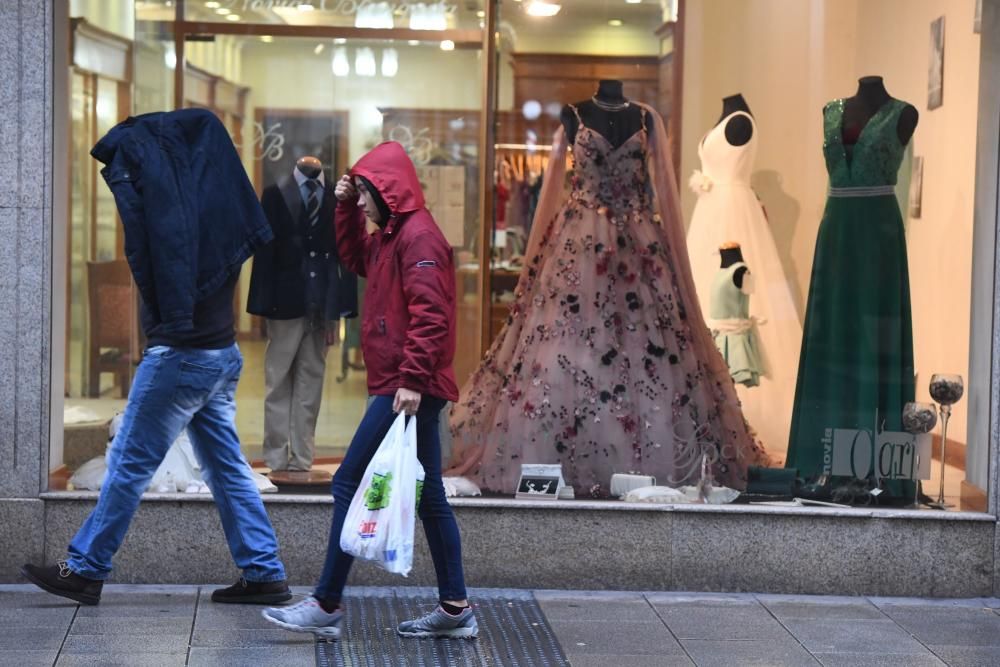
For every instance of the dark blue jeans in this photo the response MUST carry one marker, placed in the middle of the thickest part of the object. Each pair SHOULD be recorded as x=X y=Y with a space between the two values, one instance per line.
x=435 y=512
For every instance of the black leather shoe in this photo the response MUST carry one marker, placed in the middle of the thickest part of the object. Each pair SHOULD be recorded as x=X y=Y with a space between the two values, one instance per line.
x=253 y=592
x=60 y=580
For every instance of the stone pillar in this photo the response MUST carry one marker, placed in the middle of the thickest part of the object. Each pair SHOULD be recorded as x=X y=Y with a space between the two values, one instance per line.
x=27 y=167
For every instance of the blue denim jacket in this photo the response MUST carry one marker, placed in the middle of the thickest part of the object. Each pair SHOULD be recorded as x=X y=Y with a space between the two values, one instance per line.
x=190 y=214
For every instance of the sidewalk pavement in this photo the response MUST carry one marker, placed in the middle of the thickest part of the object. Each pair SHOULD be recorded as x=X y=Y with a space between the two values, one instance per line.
x=178 y=625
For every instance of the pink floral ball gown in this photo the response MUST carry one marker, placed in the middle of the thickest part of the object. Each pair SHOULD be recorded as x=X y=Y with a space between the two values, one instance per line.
x=605 y=364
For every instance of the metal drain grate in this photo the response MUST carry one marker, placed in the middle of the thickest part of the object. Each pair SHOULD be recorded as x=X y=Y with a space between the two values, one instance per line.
x=513 y=632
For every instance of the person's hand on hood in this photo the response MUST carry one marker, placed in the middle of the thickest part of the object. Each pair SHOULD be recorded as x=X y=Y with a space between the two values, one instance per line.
x=345 y=188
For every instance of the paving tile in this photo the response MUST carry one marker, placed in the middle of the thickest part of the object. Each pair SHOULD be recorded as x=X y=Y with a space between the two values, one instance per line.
x=968 y=656
x=297 y=656
x=596 y=596
x=834 y=636
x=680 y=660
x=699 y=598
x=762 y=653
x=122 y=659
x=89 y=644
x=742 y=620
x=806 y=607
x=601 y=638
x=960 y=626
x=230 y=617
x=877 y=660
x=168 y=625
x=211 y=638
x=17 y=616
x=580 y=608
x=23 y=658
x=38 y=638
x=172 y=601
x=880 y=602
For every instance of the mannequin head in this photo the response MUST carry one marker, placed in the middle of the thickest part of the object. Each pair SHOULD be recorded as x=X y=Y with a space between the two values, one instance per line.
x=610 y=90
x=731 y=254
x=309 y=166
x=871 y=91
x=734 y=103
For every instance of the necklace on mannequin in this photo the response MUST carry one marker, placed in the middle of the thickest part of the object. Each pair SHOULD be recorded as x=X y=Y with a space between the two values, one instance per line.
x=620 y=106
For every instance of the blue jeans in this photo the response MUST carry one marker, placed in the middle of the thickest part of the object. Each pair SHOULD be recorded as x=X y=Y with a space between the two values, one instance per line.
x=435 y=512
x=176 y=388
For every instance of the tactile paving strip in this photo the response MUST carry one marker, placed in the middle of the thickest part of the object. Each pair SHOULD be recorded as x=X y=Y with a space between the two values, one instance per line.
x=513 y=632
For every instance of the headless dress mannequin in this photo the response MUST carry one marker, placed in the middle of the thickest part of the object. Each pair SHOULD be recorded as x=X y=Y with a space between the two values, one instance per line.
x=617 y=126
x=732 y=254
x=739 y=129
x=871 y=96
x=309 y=166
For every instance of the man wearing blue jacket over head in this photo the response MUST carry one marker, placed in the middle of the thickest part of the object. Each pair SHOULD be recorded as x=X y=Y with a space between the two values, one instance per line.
x=191 y=219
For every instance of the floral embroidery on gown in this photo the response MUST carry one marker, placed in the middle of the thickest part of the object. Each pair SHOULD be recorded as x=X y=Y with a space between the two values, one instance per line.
x=605 y=364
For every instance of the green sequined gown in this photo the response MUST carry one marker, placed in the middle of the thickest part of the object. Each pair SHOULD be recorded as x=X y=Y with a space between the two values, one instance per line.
x=856 y=365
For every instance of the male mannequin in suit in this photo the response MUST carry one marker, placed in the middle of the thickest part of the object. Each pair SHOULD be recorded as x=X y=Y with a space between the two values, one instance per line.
x=299 y=285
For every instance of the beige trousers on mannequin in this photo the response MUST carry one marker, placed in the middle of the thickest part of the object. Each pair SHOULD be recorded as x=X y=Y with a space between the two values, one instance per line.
x=294 y=366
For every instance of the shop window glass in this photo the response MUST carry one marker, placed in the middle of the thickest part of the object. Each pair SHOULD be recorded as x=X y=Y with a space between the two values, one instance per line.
x=832 y=334
x=826 y=335
x=281 y=98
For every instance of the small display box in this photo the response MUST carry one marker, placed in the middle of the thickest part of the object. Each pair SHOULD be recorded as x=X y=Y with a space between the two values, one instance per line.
x=540 y=481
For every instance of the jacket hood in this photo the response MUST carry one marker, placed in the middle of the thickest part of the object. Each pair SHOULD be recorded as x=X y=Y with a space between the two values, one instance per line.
x=391 y=171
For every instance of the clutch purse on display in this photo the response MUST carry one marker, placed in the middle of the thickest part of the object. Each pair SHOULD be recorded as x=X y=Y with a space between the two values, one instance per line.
x=622 y=484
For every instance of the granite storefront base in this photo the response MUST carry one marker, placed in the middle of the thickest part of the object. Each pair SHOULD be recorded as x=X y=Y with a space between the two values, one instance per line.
x=22 y=535
x=583 y=545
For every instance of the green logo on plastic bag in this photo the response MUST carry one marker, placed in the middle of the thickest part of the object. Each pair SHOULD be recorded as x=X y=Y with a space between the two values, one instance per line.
x=377 y=495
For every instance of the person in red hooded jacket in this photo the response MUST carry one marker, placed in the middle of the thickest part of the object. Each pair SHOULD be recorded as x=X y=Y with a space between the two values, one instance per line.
x=408 y=340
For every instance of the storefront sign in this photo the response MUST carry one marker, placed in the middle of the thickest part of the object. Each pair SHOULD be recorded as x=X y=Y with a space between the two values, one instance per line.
x=342 y=7
x=861 y=453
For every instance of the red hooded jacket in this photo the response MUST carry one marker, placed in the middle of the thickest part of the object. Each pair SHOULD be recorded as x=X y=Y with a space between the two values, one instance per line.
x=408 y=315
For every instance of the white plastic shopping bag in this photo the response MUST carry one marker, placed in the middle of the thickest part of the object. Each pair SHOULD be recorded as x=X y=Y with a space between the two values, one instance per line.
x=381 y=520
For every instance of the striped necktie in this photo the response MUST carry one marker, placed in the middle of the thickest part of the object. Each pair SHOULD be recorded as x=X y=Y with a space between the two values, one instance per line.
x=312 y=202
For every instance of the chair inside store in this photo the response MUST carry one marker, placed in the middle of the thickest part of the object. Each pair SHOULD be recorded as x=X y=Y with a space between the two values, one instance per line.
x=113 y=328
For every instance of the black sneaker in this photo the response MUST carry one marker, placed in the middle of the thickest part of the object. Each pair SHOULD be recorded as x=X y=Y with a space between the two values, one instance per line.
x=60 y=580
x=253 y=592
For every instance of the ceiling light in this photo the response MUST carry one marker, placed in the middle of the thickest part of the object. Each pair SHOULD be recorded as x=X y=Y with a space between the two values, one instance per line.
x=364 y=62
x=267 y=39
x=481 y=14
x=340 y=40
x=390 y=63
x=213 y=5
x=447 y=45
x=377 y=15
x=615 y=23
x=543 y=9
x=305 y=7
x=341 y=67
x=222 y=11
x=233 y=17
x=319 y=49
x=432 y=16
x=414 y=42
x=632 y=2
